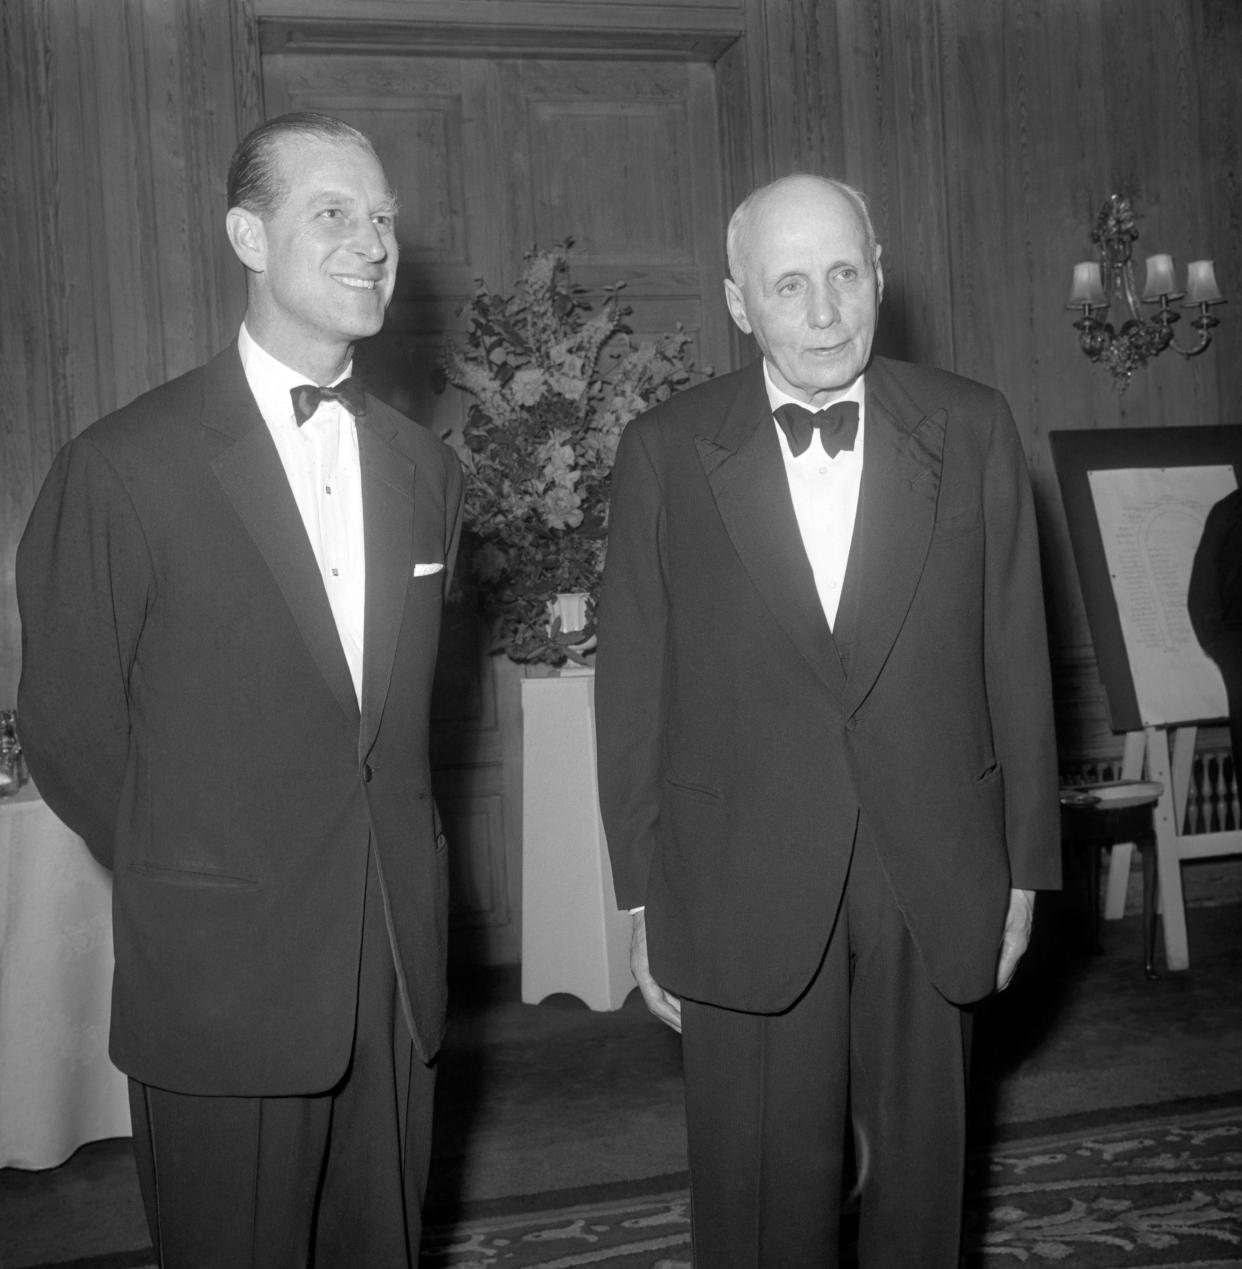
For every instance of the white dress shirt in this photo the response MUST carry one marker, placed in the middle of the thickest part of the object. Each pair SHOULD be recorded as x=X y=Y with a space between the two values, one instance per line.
x=321 y=463
x=825 y=494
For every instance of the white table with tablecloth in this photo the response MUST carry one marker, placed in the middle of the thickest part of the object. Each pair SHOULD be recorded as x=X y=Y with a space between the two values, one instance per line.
x=58 y=1089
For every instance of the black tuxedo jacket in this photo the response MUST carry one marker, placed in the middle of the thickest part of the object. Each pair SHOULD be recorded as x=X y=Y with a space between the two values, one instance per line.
x=742 y=746
x=187 y=708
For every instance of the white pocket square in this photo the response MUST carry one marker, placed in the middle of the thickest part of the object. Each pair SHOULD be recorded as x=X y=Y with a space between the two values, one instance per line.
x=425 y=570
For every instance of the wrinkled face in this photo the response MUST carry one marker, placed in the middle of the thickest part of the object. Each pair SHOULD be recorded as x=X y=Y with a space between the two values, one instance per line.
x=326 y=260
x=809 y=289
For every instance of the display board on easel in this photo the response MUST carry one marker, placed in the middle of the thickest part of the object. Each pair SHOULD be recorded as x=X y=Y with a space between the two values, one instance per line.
x=1136 y=500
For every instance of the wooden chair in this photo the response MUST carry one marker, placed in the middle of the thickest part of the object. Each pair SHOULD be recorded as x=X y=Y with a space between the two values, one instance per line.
x=1095 y=817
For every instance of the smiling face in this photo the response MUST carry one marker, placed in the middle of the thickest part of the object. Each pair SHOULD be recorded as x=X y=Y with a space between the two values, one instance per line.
x=809 y=286
x=322 y=263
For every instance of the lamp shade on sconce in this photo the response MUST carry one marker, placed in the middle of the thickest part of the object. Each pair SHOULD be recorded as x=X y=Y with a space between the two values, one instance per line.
x=1201 y=285
x=1160 y=280
x=1088 y=287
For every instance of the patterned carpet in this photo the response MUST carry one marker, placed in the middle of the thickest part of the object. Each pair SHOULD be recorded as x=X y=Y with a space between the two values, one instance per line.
x=1156 y=1188
x=1150 y=1188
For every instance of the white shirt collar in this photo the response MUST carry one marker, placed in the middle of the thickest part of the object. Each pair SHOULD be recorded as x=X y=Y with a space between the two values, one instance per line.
x=271 y=381
x=778 y=396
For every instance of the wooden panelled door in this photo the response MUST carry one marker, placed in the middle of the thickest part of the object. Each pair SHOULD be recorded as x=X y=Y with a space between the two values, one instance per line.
x=489 y=157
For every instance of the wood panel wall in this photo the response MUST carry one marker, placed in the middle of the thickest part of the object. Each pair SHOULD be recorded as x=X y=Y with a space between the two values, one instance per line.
x=987 y=135
x=115 y=134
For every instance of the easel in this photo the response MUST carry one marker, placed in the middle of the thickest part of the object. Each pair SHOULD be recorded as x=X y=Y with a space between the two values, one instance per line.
x=1147 y=756
x=1147 y=753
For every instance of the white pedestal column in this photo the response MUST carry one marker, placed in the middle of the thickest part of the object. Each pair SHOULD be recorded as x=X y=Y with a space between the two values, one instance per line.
x=573 y=938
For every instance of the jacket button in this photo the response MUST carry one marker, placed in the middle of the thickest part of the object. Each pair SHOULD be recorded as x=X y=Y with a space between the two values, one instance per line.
x=367 y=772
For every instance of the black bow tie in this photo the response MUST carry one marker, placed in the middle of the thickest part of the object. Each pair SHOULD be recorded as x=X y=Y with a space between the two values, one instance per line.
x=838 y=424
x=307 y=398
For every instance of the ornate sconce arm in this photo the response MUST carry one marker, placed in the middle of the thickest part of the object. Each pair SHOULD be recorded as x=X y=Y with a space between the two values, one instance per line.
x=1097 y=286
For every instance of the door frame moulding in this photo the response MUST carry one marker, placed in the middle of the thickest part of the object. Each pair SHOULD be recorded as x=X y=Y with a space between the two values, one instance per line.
x=418 y=37
x=731 y=41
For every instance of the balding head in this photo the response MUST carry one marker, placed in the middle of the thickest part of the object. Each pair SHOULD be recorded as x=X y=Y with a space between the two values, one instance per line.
x=806 y=283
x=742 y=222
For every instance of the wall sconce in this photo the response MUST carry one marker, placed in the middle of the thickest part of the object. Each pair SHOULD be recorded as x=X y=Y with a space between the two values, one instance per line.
x=1096 y=286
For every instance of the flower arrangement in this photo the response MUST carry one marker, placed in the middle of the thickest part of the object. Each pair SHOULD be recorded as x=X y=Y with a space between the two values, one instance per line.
x=554 y=383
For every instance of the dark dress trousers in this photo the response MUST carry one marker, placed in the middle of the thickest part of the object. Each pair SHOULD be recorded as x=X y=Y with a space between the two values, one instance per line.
x=751 y=759
x=187 y=708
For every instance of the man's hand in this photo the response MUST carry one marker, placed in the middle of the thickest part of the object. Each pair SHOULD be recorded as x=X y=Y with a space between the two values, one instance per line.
x=666 y=1007
x=1017 y=935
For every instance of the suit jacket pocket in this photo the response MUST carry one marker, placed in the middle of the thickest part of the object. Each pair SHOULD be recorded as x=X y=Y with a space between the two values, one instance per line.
x=955 y=522
x=191 y=876
x=696 y=789
x=425 y=588
x=990 y=774
x=989 y=803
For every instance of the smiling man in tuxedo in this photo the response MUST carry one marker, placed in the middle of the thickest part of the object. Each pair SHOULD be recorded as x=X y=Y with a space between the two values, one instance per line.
x=826 y=755
x=231 y=594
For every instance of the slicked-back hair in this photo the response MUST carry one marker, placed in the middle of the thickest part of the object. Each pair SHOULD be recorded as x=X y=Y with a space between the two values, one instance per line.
x=742 y=218
x=254 y=180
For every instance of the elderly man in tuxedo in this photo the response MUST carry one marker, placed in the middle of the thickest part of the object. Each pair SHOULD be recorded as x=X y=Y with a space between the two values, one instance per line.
x=826 y=753
x=230 y=594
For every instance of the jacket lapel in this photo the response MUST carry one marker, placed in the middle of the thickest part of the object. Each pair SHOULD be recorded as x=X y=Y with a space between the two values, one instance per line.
x=742 y=462
x=250 y=472
x=388 y=514
x=902 y=456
